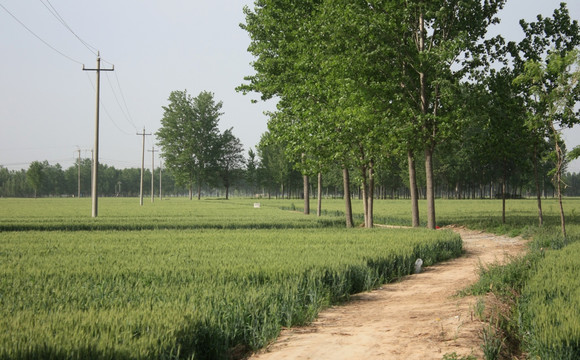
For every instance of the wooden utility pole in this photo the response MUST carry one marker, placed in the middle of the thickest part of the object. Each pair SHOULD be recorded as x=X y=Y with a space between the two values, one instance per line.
x=95 y=175
x=152 y=151
x=142 y=167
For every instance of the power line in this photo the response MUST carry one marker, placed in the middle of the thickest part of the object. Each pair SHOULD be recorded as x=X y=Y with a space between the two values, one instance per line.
x=125 y=114
x=124 y=101
x=55 y=13
x=38 y=37
x=107 y=111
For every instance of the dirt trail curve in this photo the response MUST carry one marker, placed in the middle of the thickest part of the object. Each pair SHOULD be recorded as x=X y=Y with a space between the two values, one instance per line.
x=417 y=318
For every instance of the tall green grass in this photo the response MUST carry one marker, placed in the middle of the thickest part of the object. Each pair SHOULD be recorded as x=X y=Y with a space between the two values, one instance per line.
x=550 y=306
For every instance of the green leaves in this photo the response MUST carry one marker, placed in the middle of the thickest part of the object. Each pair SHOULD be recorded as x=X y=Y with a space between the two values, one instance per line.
x=189 y=136
x=554 y=88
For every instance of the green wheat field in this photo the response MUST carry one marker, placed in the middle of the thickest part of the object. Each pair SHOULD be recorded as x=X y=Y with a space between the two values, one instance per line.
x=205 y=279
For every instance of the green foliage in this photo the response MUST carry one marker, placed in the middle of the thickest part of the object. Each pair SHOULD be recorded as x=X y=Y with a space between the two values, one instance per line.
x=479 y=308
x=503 y=280
x=231 y=159
x=190 y=138
x=574 y=154
x=195 y=285
x=492 y=343
x=35 y=175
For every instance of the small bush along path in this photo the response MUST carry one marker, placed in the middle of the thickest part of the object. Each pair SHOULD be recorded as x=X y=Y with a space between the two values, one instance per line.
x=419 y=317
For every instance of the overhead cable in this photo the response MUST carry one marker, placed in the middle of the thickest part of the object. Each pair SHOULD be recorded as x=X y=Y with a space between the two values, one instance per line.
x=38 y=37
x=55 y=13
x=125 y=112
x=106 y=111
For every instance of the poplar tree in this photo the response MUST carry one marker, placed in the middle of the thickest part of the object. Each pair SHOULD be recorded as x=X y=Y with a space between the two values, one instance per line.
x=441 y=41
x=544 y=60
x=189 y=138
x=555 y=87
x=35 y=176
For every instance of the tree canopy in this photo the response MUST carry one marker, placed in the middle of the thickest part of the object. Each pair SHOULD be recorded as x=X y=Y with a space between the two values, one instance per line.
x=358 y=80
x=190 y=139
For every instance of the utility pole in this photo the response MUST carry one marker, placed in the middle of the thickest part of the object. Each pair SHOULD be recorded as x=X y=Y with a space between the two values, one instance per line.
x=152 y=151
x=79 y=175
x=142 y=167
x=160 y=169
x=95 y=175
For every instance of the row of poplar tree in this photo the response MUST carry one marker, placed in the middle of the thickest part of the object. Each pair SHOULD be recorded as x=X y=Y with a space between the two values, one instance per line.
x=360 y=82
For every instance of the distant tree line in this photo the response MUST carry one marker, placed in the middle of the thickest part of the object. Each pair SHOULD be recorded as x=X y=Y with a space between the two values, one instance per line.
x=267 y=173
x=42 y=179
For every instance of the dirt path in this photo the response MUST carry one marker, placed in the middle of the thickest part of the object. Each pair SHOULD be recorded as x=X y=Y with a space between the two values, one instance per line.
x=417 y=318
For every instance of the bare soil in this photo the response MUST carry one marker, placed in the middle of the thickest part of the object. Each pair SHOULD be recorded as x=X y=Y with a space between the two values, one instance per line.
x=419 y=317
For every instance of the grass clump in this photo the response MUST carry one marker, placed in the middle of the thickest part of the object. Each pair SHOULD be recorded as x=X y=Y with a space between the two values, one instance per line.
x=454 y=356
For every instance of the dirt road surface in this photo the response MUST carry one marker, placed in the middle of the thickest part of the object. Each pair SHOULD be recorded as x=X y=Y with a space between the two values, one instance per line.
x=416 y=318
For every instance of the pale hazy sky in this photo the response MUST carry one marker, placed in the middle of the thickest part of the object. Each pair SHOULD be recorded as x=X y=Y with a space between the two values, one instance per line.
x=47 y=102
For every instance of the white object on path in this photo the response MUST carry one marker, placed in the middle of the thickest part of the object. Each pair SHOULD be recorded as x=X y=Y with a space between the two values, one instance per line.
x=418 y=264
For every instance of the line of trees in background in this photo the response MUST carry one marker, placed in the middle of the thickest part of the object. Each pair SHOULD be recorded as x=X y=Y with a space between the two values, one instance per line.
x=268 y=173
x=42 y=179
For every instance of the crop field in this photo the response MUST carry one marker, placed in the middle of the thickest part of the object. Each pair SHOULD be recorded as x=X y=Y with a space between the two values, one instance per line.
x=476 y=214
x=550 y=305
x=182 y=279
x=214 y=279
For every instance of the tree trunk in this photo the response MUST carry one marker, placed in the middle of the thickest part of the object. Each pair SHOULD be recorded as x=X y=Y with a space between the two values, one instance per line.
x=538 y=192
x=319 y=204
x=423 y=95
x=370 y=197
x=190 y=191
x=562 y=217
x=413 y=189
x=430 y=189
x=306 y=196
x=199 y=191
x=559 y=163
x=348 y=205
x=364 y=192
x=503 y=190
x=227 y=192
